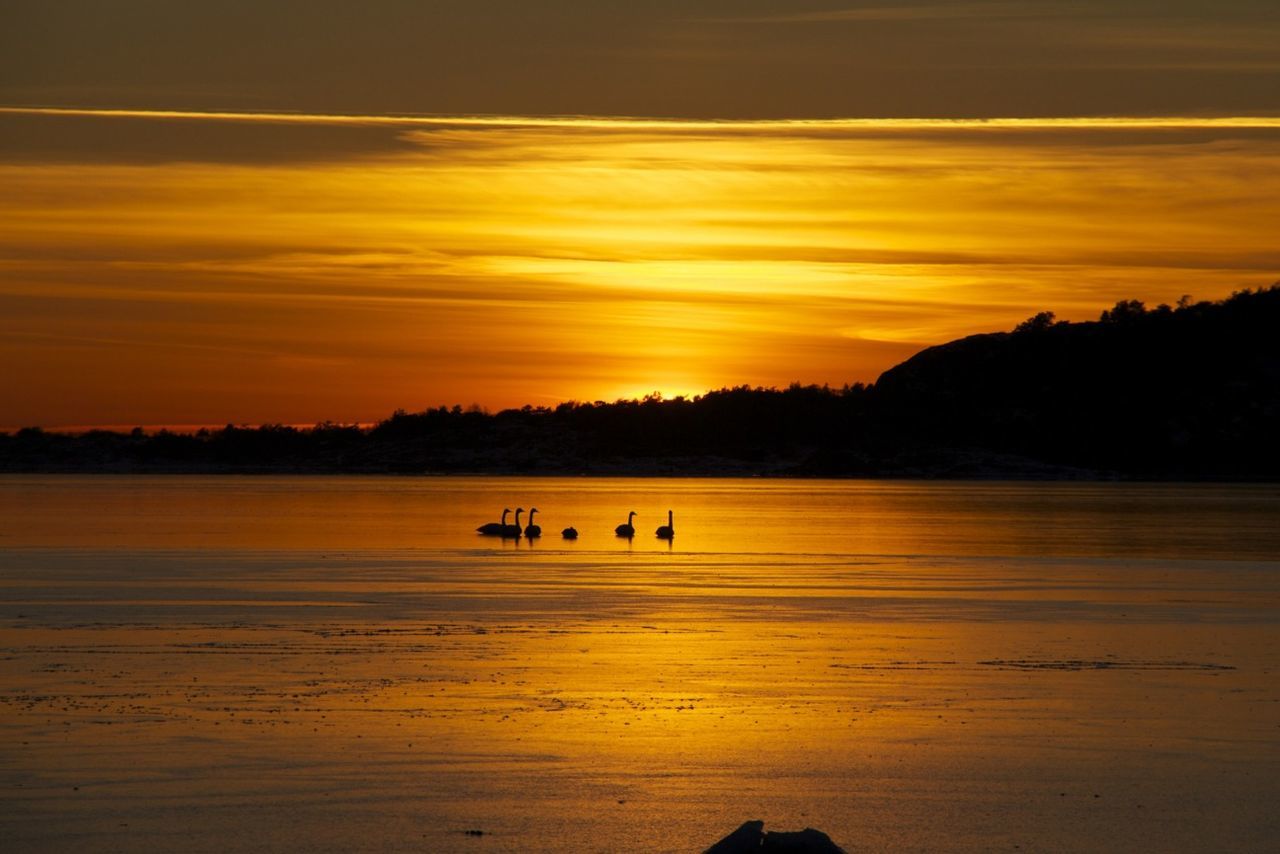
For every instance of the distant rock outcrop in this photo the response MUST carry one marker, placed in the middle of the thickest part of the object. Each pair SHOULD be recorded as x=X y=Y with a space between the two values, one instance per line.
x=752 y=838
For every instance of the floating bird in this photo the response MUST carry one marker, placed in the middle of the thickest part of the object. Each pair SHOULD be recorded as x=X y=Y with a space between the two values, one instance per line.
x=531 y=530
x=627 y=530
x=514 y=530
x=668 y=530
x=569 y=533
x=493 y=529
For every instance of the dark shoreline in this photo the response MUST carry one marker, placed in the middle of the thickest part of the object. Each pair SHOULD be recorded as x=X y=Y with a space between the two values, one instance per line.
x=992 y=477
x=1187 y=394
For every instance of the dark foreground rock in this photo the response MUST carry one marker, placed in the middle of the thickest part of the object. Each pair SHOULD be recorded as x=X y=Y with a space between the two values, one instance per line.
x=751 y=838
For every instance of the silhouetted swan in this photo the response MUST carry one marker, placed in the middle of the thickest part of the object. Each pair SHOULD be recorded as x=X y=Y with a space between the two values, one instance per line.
x=493 y=529
x=531 y=530
x=668 y=530
x=514 y=530
x=627 y=530
x=569 y=533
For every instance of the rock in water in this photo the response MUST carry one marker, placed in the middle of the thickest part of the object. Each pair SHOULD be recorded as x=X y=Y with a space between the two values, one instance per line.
x=807 y=841
x=747 y=839
x=751 y=838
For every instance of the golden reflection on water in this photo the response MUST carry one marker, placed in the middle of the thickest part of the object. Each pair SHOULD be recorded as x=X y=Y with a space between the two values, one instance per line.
x=397 y=678
x=712 y=516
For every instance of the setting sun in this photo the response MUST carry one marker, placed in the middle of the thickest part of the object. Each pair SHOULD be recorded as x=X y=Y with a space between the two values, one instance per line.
x=533 y=261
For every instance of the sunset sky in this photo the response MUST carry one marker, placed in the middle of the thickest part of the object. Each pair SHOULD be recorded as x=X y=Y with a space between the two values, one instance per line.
x=299 y=211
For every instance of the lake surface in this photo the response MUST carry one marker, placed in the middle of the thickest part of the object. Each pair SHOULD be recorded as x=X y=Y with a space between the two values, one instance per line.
x=283 y=663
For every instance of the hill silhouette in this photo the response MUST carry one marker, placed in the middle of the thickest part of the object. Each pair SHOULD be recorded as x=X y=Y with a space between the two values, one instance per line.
x=1191 y=391
x=1185 y=392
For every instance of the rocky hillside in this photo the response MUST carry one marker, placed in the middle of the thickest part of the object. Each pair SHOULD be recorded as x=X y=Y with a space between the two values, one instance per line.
x=1192 y=390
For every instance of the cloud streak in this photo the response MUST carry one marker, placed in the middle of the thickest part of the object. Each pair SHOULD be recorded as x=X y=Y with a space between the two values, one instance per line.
x=504 y=260
x=910 y=12
x=625 y=123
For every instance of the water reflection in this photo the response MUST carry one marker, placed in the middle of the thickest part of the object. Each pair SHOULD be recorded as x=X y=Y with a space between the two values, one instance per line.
x=717 y=516
x=862 y=657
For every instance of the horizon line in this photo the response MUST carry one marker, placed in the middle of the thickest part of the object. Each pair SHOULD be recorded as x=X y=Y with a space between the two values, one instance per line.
x=188 y=428
x=191 y=427
x=592 y=122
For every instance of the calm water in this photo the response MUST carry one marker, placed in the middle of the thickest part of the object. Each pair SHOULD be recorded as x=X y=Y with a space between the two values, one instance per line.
x=714 y=516
x=226 y=663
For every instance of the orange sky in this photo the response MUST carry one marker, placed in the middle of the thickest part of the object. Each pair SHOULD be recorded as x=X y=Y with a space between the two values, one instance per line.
x=510 y=262
x=273 y=210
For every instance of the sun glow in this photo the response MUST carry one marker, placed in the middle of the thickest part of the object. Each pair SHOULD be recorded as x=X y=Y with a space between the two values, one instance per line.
x=506 y=261
x=675 y=388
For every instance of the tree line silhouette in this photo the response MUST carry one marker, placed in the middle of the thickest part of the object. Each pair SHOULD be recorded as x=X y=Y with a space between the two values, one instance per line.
x=1185 y=391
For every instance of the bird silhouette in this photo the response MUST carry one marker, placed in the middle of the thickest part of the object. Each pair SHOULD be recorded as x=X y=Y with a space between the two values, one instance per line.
x=514 y=530
x=570 y=533
x=531 y=530
x=493 y=529
x=627 y=530
x=668 y=530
